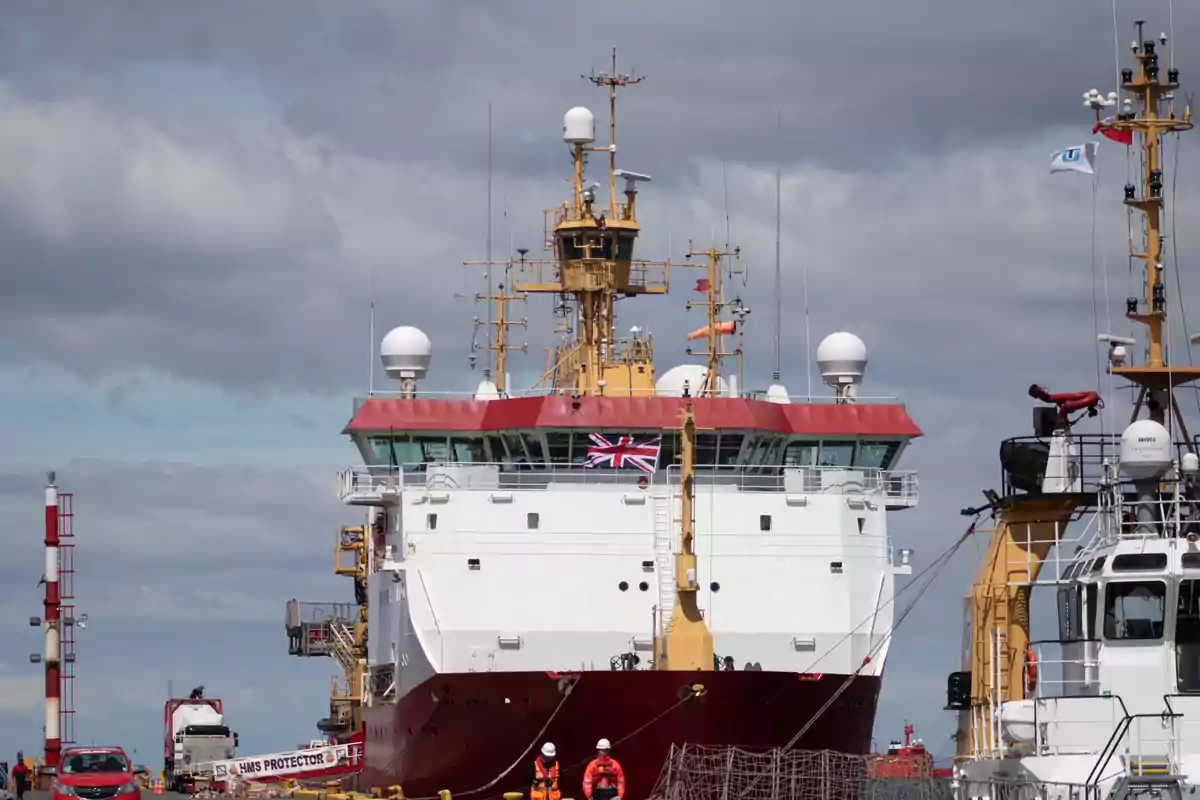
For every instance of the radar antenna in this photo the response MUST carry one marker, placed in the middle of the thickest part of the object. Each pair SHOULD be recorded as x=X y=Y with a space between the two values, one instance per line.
x=1156 y=116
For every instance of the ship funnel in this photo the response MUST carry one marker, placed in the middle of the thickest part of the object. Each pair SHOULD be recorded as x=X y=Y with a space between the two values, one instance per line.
x=406 y=352
x=842 y=359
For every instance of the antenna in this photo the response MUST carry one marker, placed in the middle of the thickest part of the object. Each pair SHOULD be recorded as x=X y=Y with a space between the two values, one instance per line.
x=613 y=80
x=1144 y=86
x=500 y=322
x=778 y=223
x=371 y=336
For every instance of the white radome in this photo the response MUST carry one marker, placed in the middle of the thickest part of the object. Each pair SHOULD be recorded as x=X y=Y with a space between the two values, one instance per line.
x=579 y=126
x=842 y=358
x=1145 y=450
x=671 y=383
x=406 y=352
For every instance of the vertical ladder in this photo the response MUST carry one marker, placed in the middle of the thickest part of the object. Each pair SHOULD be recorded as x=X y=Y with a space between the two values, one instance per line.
x=66 y=593
x=663 y=500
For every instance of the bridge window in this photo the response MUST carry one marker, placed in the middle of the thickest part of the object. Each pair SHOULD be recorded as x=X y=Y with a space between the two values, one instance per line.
x=801 y=454
x=728 y=448
x=1127 y=562
x=1134 y=610
x=836 y=454
x=1070 y=613
x=876 y=455
x=1187 y=636
x=468 y=451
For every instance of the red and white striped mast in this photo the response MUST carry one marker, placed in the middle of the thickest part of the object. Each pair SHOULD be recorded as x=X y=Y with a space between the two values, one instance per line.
x=52 y=621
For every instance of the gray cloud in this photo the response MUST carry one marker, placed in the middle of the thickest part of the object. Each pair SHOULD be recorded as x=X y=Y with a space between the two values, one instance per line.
x=206 y=191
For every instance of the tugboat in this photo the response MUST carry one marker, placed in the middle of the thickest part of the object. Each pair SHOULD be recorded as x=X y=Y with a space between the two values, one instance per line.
x=1109 y=707
x=613 y=553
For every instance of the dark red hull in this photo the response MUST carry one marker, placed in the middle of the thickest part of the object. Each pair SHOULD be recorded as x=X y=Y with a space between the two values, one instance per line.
x=463 y=731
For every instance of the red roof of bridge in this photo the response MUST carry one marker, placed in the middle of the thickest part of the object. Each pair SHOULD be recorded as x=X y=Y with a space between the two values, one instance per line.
x=597 y=413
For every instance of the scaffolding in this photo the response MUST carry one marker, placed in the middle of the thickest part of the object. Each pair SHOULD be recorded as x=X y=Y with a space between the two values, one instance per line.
x=699 y=772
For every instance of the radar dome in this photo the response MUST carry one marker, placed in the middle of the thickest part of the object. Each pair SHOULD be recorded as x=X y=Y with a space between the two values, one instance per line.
x=842 y=358
x=579 y=126
x=672 y=382
x=406 y=352
x=1145 y=450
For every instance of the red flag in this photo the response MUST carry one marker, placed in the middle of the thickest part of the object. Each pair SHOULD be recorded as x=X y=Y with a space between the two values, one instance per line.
x=1124 y=137
x=702 y=285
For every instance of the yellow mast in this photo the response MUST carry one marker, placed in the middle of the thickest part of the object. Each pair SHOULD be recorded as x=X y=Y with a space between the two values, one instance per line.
x=1027 y=527
x=500 y=323
x=687 y=644
x=1146 y=87
x=593 y=267
x=715 y=330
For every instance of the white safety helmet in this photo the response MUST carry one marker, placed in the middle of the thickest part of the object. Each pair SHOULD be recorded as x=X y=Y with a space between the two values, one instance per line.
x=548 y=750
x=604 y=744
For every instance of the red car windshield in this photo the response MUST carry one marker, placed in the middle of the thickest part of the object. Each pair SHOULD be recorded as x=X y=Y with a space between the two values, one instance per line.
x=95 y=761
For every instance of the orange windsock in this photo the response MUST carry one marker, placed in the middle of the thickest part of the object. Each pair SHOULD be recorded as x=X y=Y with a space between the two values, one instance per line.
x=722 y=327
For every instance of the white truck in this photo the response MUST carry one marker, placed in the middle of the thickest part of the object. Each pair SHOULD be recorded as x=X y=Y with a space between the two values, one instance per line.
x=194 y=737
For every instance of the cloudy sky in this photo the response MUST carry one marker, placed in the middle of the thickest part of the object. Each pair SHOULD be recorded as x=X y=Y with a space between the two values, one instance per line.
x=197 y=198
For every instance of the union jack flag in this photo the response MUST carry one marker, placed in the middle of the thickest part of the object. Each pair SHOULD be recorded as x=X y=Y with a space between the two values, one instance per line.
x=625 y=452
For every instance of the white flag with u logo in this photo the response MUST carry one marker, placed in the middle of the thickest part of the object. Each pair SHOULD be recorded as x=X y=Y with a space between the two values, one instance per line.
x=1075 y=159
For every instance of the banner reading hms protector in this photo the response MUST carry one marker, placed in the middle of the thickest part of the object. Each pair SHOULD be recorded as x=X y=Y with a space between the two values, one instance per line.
x=290 y=764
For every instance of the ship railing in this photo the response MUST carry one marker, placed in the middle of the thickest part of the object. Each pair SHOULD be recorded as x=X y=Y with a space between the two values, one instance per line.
x=750 y=394
x=1076 y=724
x=368 y=485
x=1063 y=561
x=1025 y=463
x=1066 y=668
x=897 y=488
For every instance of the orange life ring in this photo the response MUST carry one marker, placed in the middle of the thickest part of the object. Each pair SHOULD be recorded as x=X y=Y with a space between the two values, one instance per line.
x=1031 y=670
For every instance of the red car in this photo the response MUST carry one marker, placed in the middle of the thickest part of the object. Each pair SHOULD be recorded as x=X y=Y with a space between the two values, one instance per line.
x=95 y=773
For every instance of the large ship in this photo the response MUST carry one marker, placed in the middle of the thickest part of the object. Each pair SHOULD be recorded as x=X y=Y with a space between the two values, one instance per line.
x=648 y=558
x=1104 y=700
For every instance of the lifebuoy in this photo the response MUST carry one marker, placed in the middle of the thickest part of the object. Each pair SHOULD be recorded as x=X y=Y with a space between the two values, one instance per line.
x=1031 y=670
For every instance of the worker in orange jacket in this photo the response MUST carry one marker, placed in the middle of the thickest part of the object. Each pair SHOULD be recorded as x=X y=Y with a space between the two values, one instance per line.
x=545 y=775
x=604 y=779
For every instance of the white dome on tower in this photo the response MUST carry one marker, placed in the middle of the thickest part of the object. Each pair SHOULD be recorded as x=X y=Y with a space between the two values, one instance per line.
x=1146 y=450
x=406 y=352
x=672 y=382
x=579 y=126
x=842 y=359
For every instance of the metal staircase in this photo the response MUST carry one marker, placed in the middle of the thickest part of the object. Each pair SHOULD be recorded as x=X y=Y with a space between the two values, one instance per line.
x=342 y=645
x=663 y=502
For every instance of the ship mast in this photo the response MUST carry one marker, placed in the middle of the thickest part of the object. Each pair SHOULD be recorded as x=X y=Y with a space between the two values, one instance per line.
x=715 y=331
x=686 y=644
x=593 y=266
x=1156 y=378
x=499 y=321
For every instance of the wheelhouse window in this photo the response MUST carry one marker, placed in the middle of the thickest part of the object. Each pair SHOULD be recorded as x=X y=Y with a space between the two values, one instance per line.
x=1070 y=613
x=876 y=455
x=1134 y=610
x=1187 y=636
x=801 y=454
x=836 y=454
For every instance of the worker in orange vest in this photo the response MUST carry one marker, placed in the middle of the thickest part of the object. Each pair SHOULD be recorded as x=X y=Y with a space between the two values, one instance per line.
x=604 y=779
x=545 y=775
